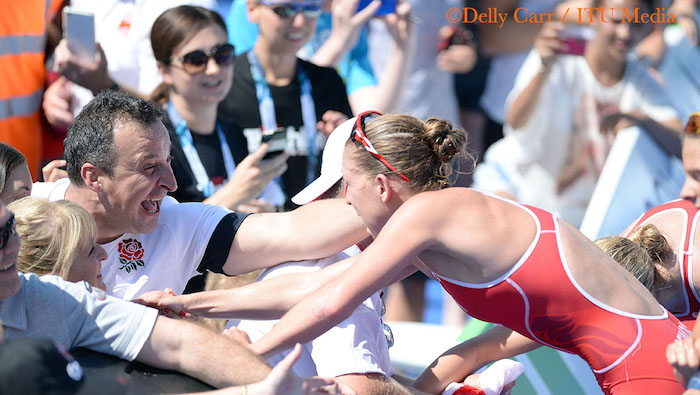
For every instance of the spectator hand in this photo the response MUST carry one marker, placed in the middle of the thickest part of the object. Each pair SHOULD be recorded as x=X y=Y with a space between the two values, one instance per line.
x=329 y=121
x=611 y=124
x=347 y=22
x=91 y=75
x=237 y=335
x=399 y=25
x=281 y=381
x=689 y=25
x=683 y=356
x=253 y=174
x=57 y=104
x=548 y=45
x=53 y=172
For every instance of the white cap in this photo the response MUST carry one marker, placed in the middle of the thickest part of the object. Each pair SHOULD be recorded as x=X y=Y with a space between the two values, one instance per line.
x=331 y=164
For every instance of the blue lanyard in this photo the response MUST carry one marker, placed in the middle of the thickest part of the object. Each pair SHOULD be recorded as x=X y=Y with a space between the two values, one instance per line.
x=267 y=109
x=184 y=135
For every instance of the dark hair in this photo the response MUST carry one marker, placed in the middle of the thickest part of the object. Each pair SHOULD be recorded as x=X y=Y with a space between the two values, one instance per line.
x=173 y=28
x=422 y=151
x=10 y=159
x=91 y=135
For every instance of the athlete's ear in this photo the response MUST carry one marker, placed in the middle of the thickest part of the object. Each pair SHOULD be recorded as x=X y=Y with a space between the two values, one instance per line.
x=383 y=188
x=91 y=176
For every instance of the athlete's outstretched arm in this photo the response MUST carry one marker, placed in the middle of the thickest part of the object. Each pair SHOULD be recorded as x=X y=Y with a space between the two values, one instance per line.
x=401 y=240
x=263 y=300
x=314 y=231
x=468 y=357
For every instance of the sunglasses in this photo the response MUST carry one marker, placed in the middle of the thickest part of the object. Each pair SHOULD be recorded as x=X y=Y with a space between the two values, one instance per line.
x=693 y=125
x=358 y=135
x=310 y=9
x=7 y=231
x=196 y=61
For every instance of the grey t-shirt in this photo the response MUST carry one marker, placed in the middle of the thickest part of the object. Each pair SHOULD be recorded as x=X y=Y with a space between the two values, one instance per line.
x=76 y=315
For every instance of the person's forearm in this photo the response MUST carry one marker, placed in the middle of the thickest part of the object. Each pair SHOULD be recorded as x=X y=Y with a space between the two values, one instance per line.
x=466 y=358
x=525 y=104
x=262 y=300
x=309 y=319
x=201 y=353
x=667 y=134
x=389 y=89
x=330 y=53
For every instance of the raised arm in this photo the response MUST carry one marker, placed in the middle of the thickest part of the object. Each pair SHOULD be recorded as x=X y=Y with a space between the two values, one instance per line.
x=466 y=358
x=547 y=44
x=314 y=231
x=202 y=354
x=403 y=237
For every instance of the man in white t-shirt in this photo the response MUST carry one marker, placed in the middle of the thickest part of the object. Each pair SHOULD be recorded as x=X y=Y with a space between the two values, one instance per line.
x=356 y=351
x=77 y=315
x=118 y=155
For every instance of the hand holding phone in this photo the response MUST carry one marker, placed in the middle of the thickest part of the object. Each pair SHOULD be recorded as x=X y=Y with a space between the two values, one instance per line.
x=453 y=35
x=387 y=7
x=79 y=32
x=277 y=138
x=574 y=40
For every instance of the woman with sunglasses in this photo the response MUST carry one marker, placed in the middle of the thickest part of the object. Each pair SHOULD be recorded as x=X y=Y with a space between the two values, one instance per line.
x=196 y=63
x=273 y=88
x=504 y=262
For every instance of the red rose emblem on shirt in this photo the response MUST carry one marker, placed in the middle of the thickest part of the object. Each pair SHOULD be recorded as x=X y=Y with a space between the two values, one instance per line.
x=130 y=254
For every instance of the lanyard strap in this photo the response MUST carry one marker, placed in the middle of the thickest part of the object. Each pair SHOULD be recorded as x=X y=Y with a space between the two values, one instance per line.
x=184 y=135
x=267 y=108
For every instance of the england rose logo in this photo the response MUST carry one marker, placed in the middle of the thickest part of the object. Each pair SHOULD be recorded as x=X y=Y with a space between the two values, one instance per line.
x=130 y=254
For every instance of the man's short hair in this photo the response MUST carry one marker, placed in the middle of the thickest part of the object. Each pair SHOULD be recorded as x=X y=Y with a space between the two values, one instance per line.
x=91 y=135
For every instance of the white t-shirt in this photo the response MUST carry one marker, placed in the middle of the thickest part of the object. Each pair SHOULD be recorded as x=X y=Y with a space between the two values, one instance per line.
x=165 y=258
x=553 y=161
x=123 y=29
x=76 y=315
x=355 y=346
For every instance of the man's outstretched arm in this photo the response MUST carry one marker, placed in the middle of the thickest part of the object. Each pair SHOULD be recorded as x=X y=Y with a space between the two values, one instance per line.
x=200 y=353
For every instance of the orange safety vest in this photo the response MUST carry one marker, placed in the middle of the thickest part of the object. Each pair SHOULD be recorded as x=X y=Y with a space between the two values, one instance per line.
x=22 y=74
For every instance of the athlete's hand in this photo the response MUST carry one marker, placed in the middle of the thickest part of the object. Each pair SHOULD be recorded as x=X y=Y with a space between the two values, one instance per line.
x=165 y=301
x=683 y=355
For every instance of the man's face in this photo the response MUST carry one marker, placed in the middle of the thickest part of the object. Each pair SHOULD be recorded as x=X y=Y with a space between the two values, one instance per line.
x=142 y=177
x=9 y=280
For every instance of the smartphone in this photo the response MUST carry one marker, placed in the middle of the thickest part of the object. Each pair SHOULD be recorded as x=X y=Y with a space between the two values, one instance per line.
x=457 y=36
x=79 y=32
x=575 y=40
x=387 y=7
x=277 y=138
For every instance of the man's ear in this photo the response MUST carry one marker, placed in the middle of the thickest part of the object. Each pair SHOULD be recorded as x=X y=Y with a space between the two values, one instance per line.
x=91 y=177
x=383 y=188
x=252 y=8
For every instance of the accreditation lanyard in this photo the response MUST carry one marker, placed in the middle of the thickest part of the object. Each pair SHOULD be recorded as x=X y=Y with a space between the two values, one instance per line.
x=184 y=135
x=267 y=108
